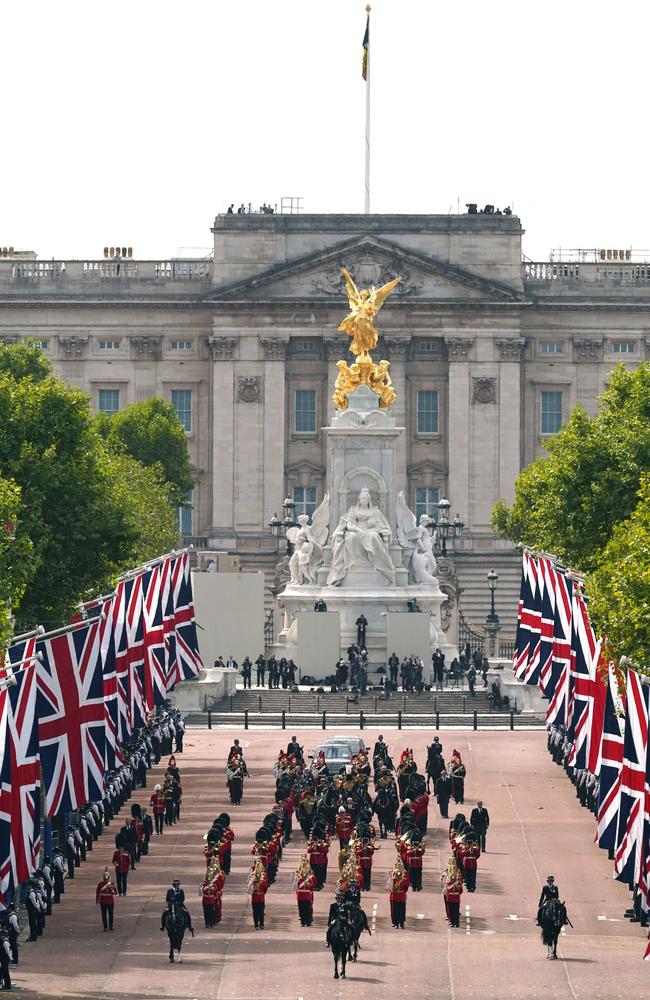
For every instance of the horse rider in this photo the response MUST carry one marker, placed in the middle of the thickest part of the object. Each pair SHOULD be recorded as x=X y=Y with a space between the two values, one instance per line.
x=176 y=897
x=549 y=891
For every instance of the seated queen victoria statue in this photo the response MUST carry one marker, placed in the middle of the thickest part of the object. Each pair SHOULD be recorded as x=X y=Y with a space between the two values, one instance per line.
x=361 y=541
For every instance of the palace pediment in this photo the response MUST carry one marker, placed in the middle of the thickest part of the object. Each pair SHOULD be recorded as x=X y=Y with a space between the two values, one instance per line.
x=371 y=261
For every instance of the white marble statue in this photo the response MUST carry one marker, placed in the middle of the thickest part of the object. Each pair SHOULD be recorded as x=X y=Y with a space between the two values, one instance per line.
x=308 y=541
x=417 y=543
x=361 y=541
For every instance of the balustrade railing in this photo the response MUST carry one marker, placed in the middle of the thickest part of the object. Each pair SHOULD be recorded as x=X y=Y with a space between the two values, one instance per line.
x=37 y=271
x=581 y=272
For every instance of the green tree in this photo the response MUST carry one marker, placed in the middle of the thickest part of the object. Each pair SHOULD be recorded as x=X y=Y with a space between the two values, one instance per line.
x=151 y=432
x=620 y=587
x=569 y=502
x=88 y=512
x=24 y=361
x=16 y=565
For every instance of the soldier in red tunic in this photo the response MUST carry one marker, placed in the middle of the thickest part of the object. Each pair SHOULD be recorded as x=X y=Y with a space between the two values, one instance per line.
x=452 y=890
x=398 y=883
x=305 y=883
x=209 y=901
x=365 y=848
x=318 y=849
x=258 y=884
x=414 y=856
x=157 y=803
x=470 y=853
x=122 y=865
x=343 y=827
x=105 y=897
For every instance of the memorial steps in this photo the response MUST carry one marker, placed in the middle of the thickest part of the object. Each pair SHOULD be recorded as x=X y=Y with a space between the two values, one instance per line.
x=454 y=708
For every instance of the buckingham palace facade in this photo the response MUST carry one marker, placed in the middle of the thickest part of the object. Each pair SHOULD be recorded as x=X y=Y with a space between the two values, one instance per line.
x=488 y=354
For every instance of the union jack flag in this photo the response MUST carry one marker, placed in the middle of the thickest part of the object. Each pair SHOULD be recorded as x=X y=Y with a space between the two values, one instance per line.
x=130 y=652
x=529 y=623
x=155 y=668
x=120 y=644
x=630 y=828
x=548 y=574
x=20 y=777
x=186 y=661
x=585 y=700
x=557 y=688
x=609 y=765
x=107 y=631
x=70 y=707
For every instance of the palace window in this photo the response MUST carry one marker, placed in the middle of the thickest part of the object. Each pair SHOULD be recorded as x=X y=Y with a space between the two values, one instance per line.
x=304 y=498
x=181 y=345
x=182 y=403
x=108 y=401
x=427 y=411
x=305 y=411
x=43 y=344
x=426 y=501
x=551 y=347
x=550 y=412
x=109 y=345
x=623 y=347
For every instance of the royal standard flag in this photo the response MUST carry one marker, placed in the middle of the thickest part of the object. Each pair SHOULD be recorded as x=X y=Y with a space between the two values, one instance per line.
x=366 y=44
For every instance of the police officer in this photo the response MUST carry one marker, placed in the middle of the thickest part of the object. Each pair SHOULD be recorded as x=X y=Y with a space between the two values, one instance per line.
x=58 y=872
x=32 y=910
x=13 y=930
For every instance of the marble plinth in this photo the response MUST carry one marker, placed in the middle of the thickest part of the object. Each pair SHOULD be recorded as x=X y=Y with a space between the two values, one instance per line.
x=374 y=603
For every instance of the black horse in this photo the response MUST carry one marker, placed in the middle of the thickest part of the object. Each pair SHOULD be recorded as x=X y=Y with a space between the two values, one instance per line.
x=435 y=767
x=552 y=918
x=385 y=806
x=340 y=938
x=176 y=920
x=359 y=922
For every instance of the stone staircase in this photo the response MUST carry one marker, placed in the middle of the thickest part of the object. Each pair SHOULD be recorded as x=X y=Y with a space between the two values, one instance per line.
x=472 y=569
x=431 y=709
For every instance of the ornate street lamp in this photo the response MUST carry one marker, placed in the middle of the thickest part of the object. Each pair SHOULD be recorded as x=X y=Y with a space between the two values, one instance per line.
x=281 y=526
x=442 y=528
x=492 y=623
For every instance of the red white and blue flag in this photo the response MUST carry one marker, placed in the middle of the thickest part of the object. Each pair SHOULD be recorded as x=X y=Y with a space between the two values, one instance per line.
x=557 y=688
x=585 y=700
x=154 y=652
x=628 y=858
x=186 y=662
x=71 y=726
x=609 y=764
x=20 y=774
x=526 y=663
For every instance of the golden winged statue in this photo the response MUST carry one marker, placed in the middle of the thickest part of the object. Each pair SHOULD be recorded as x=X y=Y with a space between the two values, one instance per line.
x=364 y=306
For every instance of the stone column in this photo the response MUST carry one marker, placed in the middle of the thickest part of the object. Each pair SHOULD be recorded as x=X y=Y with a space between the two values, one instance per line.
x=511 y=355
x=275 y=352
x=458 y=425
x=334 y=349
x=398 y=349
x=222 y=350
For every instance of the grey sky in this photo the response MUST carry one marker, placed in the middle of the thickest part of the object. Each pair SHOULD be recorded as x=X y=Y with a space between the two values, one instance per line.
x=135 y=121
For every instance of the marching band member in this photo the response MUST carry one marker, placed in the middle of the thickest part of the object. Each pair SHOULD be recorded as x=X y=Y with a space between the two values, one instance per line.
x=398 y=883
x=452 y=890
x=105 y=897
x=305 y=883
x=258 y=884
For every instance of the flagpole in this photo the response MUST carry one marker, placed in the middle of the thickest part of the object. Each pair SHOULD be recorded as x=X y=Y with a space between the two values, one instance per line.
x=367 y=174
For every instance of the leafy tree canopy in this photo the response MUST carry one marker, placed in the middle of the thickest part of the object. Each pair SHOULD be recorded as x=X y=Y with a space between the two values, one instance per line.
x=16 y=565
x=151 y=432
x=620 y=587
x=569 y=502
x=87 y=512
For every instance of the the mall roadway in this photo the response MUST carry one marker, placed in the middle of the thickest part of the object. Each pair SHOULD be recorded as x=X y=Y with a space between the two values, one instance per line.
x=537 y=828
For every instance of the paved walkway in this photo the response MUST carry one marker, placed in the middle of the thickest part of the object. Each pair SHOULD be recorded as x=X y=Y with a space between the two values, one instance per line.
x=537 y=828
